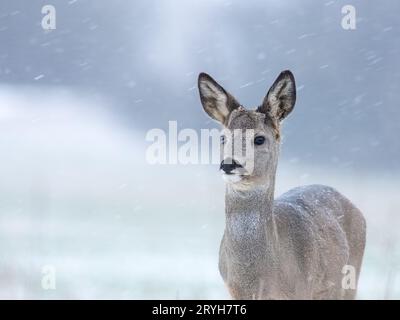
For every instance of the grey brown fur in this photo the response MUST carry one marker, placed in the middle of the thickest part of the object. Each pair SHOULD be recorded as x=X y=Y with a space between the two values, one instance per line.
x=292 y=247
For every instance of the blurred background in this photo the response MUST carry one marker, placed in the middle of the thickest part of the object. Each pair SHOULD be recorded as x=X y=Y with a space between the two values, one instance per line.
x=76 y=192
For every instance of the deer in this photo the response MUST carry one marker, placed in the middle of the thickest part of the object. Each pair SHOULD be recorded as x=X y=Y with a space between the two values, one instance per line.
x=297 y=246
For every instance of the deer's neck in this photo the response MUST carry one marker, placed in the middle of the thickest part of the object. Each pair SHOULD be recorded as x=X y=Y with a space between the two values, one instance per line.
x=249 y=223
x=258 y=200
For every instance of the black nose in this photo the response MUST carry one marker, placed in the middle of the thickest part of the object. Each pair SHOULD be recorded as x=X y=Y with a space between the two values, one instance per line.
x=229 y=164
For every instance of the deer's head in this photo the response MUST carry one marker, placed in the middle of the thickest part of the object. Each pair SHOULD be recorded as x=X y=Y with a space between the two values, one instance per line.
x=250 y=138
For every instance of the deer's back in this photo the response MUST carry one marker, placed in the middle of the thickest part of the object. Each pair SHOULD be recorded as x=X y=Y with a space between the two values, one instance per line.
x=318 y=231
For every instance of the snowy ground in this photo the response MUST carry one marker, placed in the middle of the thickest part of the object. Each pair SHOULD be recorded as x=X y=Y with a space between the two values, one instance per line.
x=77 y=194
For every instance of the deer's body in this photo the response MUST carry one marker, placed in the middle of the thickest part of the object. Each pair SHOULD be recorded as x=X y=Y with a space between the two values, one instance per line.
x=298 y=246
x=292 y=248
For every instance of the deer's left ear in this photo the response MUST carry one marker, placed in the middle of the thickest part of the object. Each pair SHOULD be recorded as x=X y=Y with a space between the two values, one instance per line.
x=281 y=97
x=217 y=102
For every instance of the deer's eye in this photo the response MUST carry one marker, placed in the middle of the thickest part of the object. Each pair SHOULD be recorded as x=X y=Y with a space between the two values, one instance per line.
x=259 y=140
x=222 y=139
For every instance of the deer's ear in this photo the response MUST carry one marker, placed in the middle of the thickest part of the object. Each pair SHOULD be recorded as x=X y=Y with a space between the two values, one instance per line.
x=216 y=101
x=281 y=97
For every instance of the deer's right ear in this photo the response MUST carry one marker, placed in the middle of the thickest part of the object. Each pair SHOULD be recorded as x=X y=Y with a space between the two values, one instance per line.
x=281 y=97
x=216 y=101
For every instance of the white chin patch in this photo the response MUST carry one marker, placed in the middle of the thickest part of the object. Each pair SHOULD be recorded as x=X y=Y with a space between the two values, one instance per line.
x=231 y=178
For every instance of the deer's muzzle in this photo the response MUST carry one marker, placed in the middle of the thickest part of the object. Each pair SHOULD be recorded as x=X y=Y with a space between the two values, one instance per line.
x=229 y=164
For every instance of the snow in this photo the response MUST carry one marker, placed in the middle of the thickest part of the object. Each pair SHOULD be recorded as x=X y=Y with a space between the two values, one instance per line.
x=75 y=104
